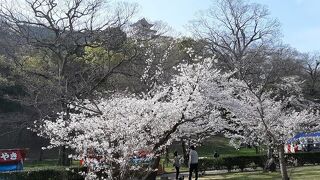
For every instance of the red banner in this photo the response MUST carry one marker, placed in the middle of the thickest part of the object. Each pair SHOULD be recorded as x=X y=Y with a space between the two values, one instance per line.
x=11 y=155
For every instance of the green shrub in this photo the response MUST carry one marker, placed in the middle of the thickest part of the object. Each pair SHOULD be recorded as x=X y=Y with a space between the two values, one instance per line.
x=50 y=174
x=242 y=162
x=229 y=163
x=57 y=174
x=305 y=157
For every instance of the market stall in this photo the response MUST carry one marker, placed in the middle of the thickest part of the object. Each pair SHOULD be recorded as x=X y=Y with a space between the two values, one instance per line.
x=303 y=142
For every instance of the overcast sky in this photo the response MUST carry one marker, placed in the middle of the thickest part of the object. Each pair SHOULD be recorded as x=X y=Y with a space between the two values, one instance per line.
x=300 y=19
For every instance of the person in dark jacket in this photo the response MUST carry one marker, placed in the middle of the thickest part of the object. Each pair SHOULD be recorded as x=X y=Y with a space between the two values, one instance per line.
x=177 y=164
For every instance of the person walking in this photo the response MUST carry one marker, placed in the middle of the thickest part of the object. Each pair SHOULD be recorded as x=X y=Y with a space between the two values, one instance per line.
x=176 y=164
x=193 y=162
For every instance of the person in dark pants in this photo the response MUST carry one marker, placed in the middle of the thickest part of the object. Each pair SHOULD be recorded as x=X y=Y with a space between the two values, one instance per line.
x=176 y=164
x=193 y=162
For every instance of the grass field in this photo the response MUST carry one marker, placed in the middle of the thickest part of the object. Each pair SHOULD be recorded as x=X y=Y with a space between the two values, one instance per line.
x=222 y=147
x=298 y=173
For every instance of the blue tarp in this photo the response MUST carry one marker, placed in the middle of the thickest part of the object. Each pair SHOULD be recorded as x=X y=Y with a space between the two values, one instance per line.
x=303 y=135
x=11 y=167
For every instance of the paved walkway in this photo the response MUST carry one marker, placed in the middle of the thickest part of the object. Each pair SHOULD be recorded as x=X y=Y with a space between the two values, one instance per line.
x=172 y=176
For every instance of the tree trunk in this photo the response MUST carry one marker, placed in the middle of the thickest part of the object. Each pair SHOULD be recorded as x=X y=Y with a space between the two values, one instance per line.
x=64 y=160
x=167 y=157
x=257 y=149
x=116 y=171
x=63 y=157
x=282 y=162
x=41 y=154
x=269 y=156
x=270 y=152
x=185 y=154
x=153 y=174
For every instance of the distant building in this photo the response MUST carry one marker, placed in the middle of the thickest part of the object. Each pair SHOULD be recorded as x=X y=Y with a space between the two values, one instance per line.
x=142 y=29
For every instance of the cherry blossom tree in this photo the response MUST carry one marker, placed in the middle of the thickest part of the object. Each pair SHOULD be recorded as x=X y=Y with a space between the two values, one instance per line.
x=270 y=115
x=151 y=121
x=189 y=105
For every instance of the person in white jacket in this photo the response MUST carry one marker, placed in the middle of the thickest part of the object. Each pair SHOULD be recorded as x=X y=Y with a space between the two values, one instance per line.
x=193 y=162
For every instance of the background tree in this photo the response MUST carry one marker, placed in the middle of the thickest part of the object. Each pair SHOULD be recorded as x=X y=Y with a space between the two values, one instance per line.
x=54 y=71
x=311 y=75
x=245 y=40
x=236 y=32
x=272 y=115
x=157 y=54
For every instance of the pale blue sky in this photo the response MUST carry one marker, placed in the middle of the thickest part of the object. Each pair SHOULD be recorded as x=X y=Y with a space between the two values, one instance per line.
x=300 y=19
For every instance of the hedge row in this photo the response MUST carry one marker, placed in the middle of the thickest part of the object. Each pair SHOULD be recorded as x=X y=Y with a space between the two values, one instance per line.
x=229 y=163
x=49 y=174
x=56 y=174
x=242 y=162
x=305 y=158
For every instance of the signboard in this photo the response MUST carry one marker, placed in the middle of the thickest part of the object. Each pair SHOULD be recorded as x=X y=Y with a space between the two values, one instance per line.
x=12 y=159
x=8 y=156
x=141 y=157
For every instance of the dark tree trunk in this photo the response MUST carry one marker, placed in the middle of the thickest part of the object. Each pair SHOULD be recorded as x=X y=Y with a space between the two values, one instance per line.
x=269 y=157
x=116 y=171
x=185 y=154
x=270 y=152
x=41 y=154
x=64 y=160
x=153 y=174
x=167 y=157
x=63 y=157
x=257 y=149
x=282 y=162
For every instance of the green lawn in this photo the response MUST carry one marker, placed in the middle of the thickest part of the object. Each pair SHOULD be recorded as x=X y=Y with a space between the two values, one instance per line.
x=222 y=147
x=298 y=173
